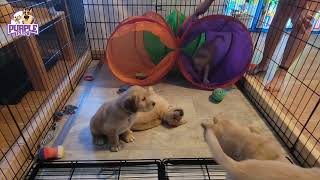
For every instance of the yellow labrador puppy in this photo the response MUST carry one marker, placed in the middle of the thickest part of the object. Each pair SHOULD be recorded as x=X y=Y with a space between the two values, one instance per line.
x=246 y=142
x=114 y=118
x=253 y=169
x=161 y=113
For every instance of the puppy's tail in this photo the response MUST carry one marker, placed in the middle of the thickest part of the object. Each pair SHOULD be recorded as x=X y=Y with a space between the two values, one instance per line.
x=216 y=150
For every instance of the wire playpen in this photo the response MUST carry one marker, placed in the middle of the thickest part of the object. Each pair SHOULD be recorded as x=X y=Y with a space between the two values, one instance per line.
x=39 y=73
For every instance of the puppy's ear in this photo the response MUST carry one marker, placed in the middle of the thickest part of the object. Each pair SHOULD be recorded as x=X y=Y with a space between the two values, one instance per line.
x=131 y=104
x=205 y=125
x=215 y=120
x=151 y=90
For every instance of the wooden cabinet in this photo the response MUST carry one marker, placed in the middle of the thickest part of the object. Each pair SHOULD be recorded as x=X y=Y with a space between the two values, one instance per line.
x=30 y=52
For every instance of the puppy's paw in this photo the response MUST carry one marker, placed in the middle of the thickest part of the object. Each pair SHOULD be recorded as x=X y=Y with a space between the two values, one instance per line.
x=181 y=122
x=206 y=81
x=115 y=148
x=207 y=125
x=255 y=129
x=128 y=137
x=98 y=141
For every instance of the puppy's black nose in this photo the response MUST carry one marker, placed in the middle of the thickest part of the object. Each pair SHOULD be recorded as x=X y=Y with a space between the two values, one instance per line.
x=180 y=112
x=153 y=103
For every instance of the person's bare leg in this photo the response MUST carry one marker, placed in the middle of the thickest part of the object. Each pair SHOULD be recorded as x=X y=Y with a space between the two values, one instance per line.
x=274 y=34
x=203 y=7
x=200 y=10
x=263 y=15
x=296 y=43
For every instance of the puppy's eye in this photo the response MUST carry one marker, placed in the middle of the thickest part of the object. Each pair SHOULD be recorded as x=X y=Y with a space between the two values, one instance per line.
x=144 y=98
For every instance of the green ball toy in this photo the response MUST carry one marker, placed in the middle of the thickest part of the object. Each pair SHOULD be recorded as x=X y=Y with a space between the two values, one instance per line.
x=218 y=95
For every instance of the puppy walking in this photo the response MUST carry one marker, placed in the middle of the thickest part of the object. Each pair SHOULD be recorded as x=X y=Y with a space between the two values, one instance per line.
x=114 y=118
x=256 y=169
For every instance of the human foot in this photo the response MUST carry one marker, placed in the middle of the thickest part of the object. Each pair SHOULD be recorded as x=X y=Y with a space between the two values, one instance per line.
x=203 y=7
x=305 y=23
x=258 y=69
x=277 y=81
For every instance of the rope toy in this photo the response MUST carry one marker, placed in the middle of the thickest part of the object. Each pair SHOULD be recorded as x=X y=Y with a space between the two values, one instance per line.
x=50 y=135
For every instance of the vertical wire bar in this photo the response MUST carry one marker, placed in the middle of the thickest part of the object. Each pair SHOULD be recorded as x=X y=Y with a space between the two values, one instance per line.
x=87 y=25
x=21 y=134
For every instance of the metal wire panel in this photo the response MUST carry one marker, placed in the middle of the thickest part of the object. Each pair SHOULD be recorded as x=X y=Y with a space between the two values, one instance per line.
x=193 y=169
x=290 y=101
x=131 y=169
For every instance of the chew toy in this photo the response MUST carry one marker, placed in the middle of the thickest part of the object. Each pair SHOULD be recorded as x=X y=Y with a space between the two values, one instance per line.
x=88 y=78
x=218 y=95
x=70 y=109
x=51 y=153
x=141 y=76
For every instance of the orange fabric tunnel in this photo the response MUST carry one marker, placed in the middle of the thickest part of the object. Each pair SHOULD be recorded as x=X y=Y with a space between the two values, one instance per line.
x=127 y=54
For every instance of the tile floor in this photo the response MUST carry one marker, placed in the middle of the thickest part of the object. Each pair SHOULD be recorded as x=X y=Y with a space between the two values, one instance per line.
x=185 y=141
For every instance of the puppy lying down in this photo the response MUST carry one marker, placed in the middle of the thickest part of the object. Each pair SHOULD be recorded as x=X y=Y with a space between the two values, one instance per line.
x=161 y=113
x=114 y=118
x=246 y=142
x=253 y=169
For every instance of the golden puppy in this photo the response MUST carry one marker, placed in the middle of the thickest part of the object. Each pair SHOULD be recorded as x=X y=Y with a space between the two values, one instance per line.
x=256 y=169
x=161 y=113
x=241 y=142
x=114 y=118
